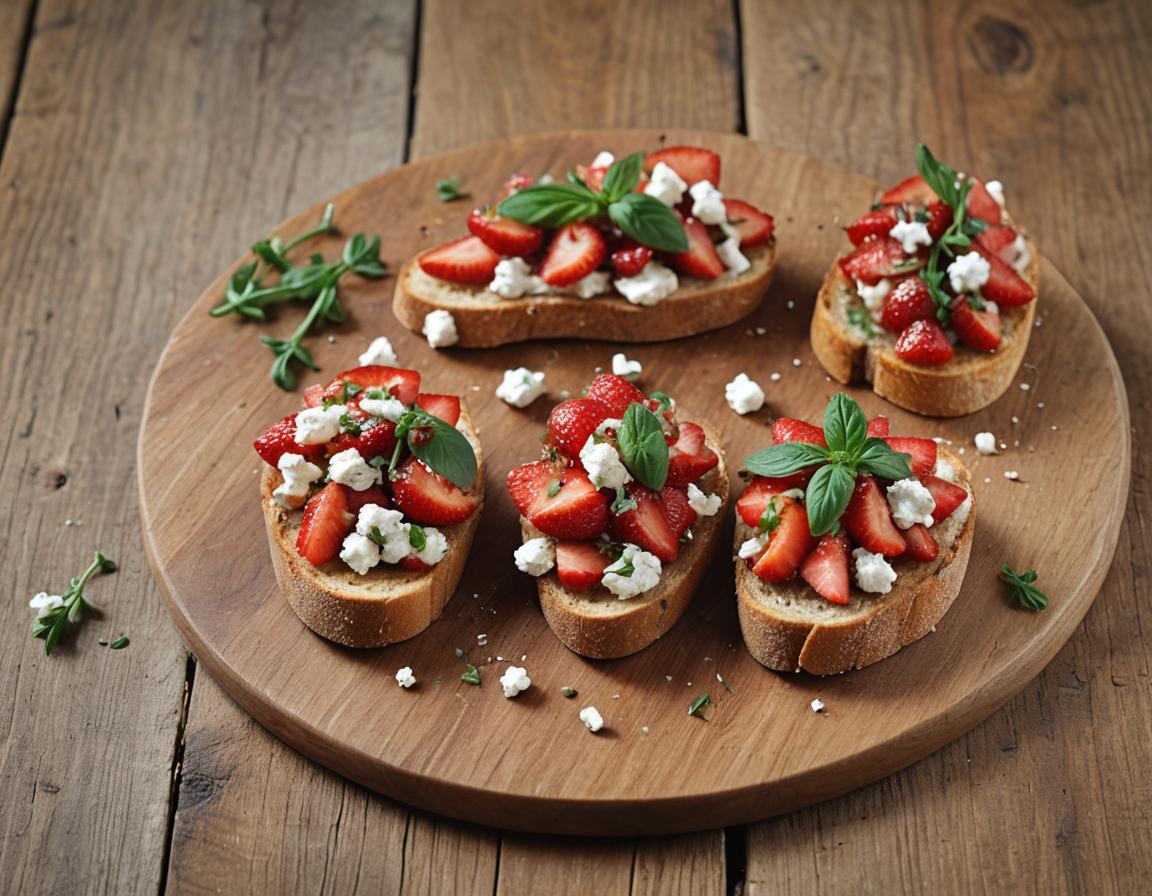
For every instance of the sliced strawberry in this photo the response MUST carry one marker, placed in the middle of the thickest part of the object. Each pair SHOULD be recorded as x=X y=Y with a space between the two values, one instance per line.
x=428 y=498
x=280 y=438
x=751 y=225
x=467 y=260
x=377 y=440
x=788 y=545
x=868 y=520
x=939 y=219
x=924 y=342
x=908 y=301
x=574 y=509
x=630 y=260
x=913 y=191
x=446 y=407
x=878 y=427
x=701 y=260
x=826 y=568
x=579 y=564
x=948 y=496
x=505 y=236
x=647 y=526
x=1004 y=286
x=921 y=545
x=572 y=422
x=787 y=429
x=414 y=563
x=692 y=163
x=593 y=177
x=326 y=522
x=615 y=393
x=677 y=510
x=575 y=252
x=401 y=383
x=996 y=239
x=514 y=184
x=760 y=491
x=314 y=396
x=688 y=457
x=979 y=329
x=981 y=205
x=874 y=260
x=374 y=494
x=875 y=223
x=922 y=452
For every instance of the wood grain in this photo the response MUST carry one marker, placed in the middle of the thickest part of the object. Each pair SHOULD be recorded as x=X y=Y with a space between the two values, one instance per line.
x=15 y=17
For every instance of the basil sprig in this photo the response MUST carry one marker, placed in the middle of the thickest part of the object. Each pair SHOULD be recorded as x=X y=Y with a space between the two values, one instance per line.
x=441 y=446
x=646 y=219
x=849 y=452
x=643 y=448
x=1023 y=591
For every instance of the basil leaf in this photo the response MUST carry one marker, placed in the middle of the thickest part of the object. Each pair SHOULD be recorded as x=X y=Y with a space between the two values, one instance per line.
x=784 y=459
x=551 y=205
x=940 y=177
x=650 y=222
x=642 y=446
x=447 y=452
x=845 y=426
x=880 y=460
x=417 y=537
x=828 y=495
x=623 y=176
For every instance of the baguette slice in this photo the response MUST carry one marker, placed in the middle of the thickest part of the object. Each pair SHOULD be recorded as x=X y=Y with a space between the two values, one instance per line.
x=483 y=319
x=389 y=604
x=599 y=625
x=970 y=381
x=787 y=626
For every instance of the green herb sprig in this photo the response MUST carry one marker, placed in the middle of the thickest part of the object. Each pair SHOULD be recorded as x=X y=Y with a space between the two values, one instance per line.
x=448 y=189
x=699 y=704
x=51 y=625
x=471 y=675
x=643 y=447
x=438 y=444
x=1024 y=592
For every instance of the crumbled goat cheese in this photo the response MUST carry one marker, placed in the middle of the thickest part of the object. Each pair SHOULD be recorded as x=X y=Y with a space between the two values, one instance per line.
x=817 y=705
x=595 y=284
x=405 y=678
x=910 y=503
x=612 y=423
x=515 y=680
x=703 y=504
x=991 y=307
x=873 y=573
x=985 y=443
x=315 y=426
x=665 y=185
x=536 y=556
x=873 y=296
x=513 y=278
x=379 y=352
x=591 y=717
x=944 y=470
x=521 y=387
x=604 y=159
x=440 y=328
x=743 y=395
x=360 y=552
x=911 y=235
x=391 y=529
x=653 y=284
x=754 y=546
x=707 y=203
x=644 y=576
x=44 y=603
x=387 y=407
x=622 y=366
x=996 y=191
x=603 y=465
x=968 y=272
x=1023 y=256
x=1011 y=474
x=435 y=546
x=349 y=468
x=298 y=475
x=733 y=258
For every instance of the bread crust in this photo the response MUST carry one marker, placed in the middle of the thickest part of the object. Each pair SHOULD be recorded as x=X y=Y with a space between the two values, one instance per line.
x=484 y=320
x=860 y=636
x=389 y=604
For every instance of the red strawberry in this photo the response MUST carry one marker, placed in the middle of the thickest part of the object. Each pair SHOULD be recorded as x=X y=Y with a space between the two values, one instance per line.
x=514 y=184
x=400 y=383
x=647 y=526
x=575 y=509
x=374 y=494
x=467 y=260
x=280 y=438
x=751 y=225
x=924 y=342
x=913 y=191
x=826 y=568
x=314 y=396
x=878 y=427
x=579 y=564
x=377 y=440
x=414 y=563
x=677 y=510
x=981 y=205
x=996 y=239
x=428 y=498
x=505 y=236
x=947 y=494
x=875 y=223
x=615 y=393
x=873 y=260
x=786 y=429
x=446 y=407
x=939 y=219
x=908 y=301
x=572 y=422
x=688 y=457
x=575 y=252
x=921 y=545
x=701 y=260
x=868 y=520
x=788 y=545
x=979 y=329
x=326 y=522
x=593 y=177
x=760 y=491
x=922 y=452
x=1004 y=286
x=630 y=260
x=692 y=163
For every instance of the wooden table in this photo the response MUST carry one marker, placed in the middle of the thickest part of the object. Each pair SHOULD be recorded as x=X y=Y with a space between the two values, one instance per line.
x=144 y=144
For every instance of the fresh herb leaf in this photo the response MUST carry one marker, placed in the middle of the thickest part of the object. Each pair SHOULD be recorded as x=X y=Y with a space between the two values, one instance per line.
x=623 y=176
x=349 y=425
x=643 y=447
x=770 y=518
x=51 y=625
x=698 y=705
x=664 y=402
x=551 y=205
x=879 y=459
x=417 y=537
x=623 y=502
x=827 y=497
x=568 y=693
x=448 y=189
x=471 y=675
x=859 y=317
x=376 y=537
x=553 y=488
x=1024 y=592
x=441 y=446
x=650 y=222
x=785 y=459
x=845 y=426
x=120 y=643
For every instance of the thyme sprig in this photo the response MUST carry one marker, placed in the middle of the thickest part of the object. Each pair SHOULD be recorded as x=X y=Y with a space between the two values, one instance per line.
x=70 y=609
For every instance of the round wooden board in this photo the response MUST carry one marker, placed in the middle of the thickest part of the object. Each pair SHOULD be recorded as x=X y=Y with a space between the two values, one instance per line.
x=528 y=763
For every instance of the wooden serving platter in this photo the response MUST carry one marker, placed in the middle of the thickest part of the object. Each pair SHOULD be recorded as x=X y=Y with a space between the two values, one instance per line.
x=528 y=763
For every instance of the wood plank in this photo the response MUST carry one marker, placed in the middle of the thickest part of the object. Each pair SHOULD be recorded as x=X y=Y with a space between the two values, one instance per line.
x=14 y=20
x=1055 y=101
x=687 y=863
x=560 y=865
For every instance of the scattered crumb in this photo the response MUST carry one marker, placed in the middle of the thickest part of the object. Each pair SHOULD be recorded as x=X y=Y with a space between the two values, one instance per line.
x=644 y=729
x=790 y=305
x=331 y=340
x=760 y=331
x=481 y=640
x=1040 y=405
x=987 y=480
x=475 y=388
x=615 y=696
x=817 y=705
x=1024 y=387
x=524 y=658
x=669 y=677
x=1039 y=321
x=960 y=450
x=1003 y=446
x=1015 y=420
x=775 y=377
x=1054 y=427
x=933 y=629
x=796 y=362
x=1011 y=474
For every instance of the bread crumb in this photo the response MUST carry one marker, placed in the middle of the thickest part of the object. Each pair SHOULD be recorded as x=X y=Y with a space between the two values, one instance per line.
x=817 y=705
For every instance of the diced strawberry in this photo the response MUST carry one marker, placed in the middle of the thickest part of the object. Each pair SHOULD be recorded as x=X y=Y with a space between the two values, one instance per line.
x=677 y=510
x=751 y=225
x=575 y=252
x=593 y=177
x=921 y=451
x=374 y=494
x=873 y=260
x=413 y=563
x=875 y=223
x=428 y=498
x=314 y=396
x=787 y=429
x=701 y=260
x=979 y=329
x=692 y=163
x=868 y=520
x=326 y=522
x=948 y=496
x=1004 y=286
x=908 y=301
x=878 y=427
x=505 y=236
x=826 y=568
x=572 y=422
x=688 y=457
x=913 y=191
x=647 y=526
x=280 y=438
x=401 y=383
x=446 y=407
x=924 y=342
x=939 y=219
x=788 y=545
x=630 y=260
x=467 y=260
x=760 y=491
x=615 y=393
x=920 y=544
x=377 y=440
x=996 y=239
x=514 y=184
x=574 y=509
x=981 y=205
x=579 y=564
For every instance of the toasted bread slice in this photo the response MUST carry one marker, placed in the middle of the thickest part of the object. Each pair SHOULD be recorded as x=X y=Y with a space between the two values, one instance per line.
x=599 y=625
x=970 y=381
x=483 y=319
x=388 y=604
x=789 y=627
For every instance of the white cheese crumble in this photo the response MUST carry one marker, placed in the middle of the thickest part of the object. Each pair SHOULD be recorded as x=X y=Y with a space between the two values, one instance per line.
x=349 y=468
x=536 y=556
x=968 y=272
x=996 y=191
x=628 y=369
x=644 y=575
x=817 y=705
x=595 y=284
x=391 y=529
x=985 y=442
x=873 y=296
x=44 y=603
x=653 y=284
x=604 y=159
x=591 y=717
x=387 y=407
x=515 y=680
x=603 y=465
x=1023 y=255
x=707 y=203
x=733 y=258
x=298 y=475
x=315 y=426
x=944 y=470
x=513 y=278
x=440 y=328
x=743 y=395
x=910 y=503
x=703 y=504
x=665 y=185
x=754 y=546
x=360 y=552
x=405 y=678
x=874 y=574
x=379 y=352
x=521 y=387
x=911 y=235
x=435 y=546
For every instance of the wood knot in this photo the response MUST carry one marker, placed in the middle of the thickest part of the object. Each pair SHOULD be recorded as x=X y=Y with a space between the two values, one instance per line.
x=1001 y=48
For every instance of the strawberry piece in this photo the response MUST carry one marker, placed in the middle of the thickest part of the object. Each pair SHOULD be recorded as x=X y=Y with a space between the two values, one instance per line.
x=939 y=219
x=326 y=522
x=374 y=494
x=924 y=342
x=467 y=260
x=921 y=545
x=826 y=568
x=760 y=491
x=314 y=396
x=593 y=177
x=921 y=451
x=788 y=546
x=579 y=564
x=377 y=440
x=514 y=184
x=868 y=520
x=1004 y=286
x=572 y=422
x=786 y=429
x=428 y=498
x=575 y=252
x=913 y=191
x=875 y=223
x=878 y=427
x=630 y=260
x=647 y=526
x=505 y=236
x=981 y=205
x=446 y=407
x=751 y=225
x=948 y=496
x=677 y=510
x=873 y=260
x=615 y=393
x=576 y=510
x=400 y=383
x=701 y=260
x=688 y=457
x=979 y=329
x=908 y=301
x=413 y=563
x=692 y=163
x=996 y=239
x=280 y=438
